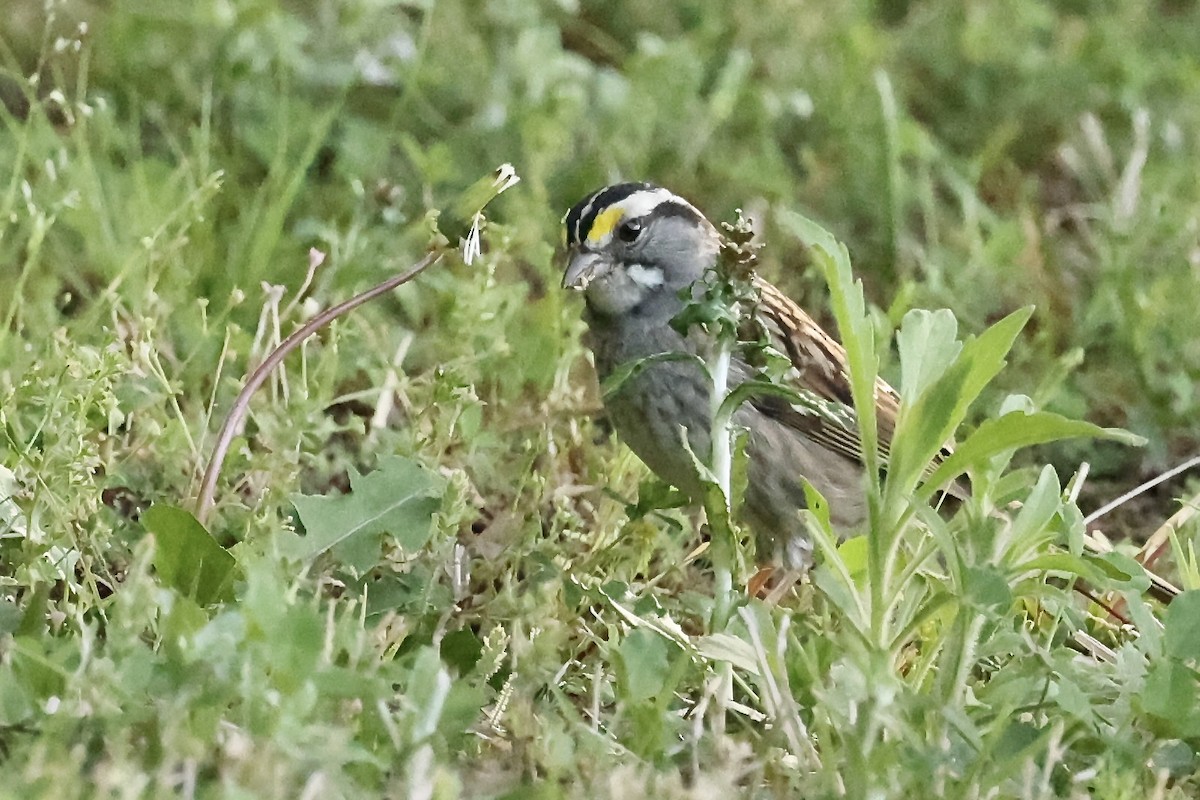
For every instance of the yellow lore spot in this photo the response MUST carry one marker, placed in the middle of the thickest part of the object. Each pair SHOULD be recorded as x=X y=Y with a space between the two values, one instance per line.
x=604 y=224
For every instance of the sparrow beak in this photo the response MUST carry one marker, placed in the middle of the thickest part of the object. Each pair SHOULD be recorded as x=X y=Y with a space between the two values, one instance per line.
x=584 y=268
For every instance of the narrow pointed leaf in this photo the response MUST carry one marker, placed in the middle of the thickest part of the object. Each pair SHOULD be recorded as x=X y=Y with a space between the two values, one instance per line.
x=1012 y=431
x=857 y=332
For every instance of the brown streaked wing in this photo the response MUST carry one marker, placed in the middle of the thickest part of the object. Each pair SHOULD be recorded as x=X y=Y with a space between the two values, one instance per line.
x=820 y=364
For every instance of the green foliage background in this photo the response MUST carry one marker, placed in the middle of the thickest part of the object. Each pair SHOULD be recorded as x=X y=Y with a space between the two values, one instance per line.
x=162 y=165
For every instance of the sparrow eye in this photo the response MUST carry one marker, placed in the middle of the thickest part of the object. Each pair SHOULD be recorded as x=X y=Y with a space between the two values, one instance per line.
x=630 y=230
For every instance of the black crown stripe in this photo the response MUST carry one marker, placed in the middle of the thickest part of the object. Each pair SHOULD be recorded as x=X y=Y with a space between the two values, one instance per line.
x=581 y=218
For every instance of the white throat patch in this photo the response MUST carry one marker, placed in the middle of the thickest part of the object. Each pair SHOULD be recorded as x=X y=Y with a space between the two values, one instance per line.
x=648 y=277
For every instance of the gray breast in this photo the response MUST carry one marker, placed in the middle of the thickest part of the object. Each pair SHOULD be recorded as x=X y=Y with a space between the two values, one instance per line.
x=649 y=409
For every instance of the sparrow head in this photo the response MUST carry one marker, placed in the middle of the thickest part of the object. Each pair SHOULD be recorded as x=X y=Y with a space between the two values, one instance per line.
x=632 y=244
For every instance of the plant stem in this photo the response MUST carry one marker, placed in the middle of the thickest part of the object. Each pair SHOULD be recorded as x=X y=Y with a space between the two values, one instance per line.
x=722 y=468
x=722 y=536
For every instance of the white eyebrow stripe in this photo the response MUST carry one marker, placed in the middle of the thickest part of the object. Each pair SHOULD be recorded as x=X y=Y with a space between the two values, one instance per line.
x=647 y=277
x=638 y=204
x=642 y=202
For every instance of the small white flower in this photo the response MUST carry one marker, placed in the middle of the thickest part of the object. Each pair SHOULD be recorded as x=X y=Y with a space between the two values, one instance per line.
x=472 y=245
x=315 y=258
x=506 y=178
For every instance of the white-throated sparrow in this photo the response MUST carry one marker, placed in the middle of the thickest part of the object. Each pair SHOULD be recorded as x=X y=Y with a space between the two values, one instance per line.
x=635 y=251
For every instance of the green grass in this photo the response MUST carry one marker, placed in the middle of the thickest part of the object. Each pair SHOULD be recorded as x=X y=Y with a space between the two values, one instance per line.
x=528 y=620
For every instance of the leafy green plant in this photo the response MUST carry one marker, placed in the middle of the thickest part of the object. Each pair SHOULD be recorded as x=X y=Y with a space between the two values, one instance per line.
x=548 y=631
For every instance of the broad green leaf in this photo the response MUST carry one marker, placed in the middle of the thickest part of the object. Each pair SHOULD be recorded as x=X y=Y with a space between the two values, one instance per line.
x=987 y=588
x=178 y=623
x=654 y=495
x=1015 y=403
x=295 y=645
x=34 y=665
x=461 y=649
x=33 y=620
x=1018 y=740
x=1170 y=695
x=1030 y=525
x=10 y=617
x=1177 y=758
x=1149 y=623
x=187 y=557
x=818 y=507
x=929 y=423
x=397 y=499
x=17 y=703
x=1183 y=626
x=854 y=555
x=461 y=711
x=927 y=344
x=1072 y=699
x=642 y=665
x=1012 y=431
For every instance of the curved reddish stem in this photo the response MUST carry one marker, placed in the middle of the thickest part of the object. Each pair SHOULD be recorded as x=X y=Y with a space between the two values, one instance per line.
x=241 y=405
